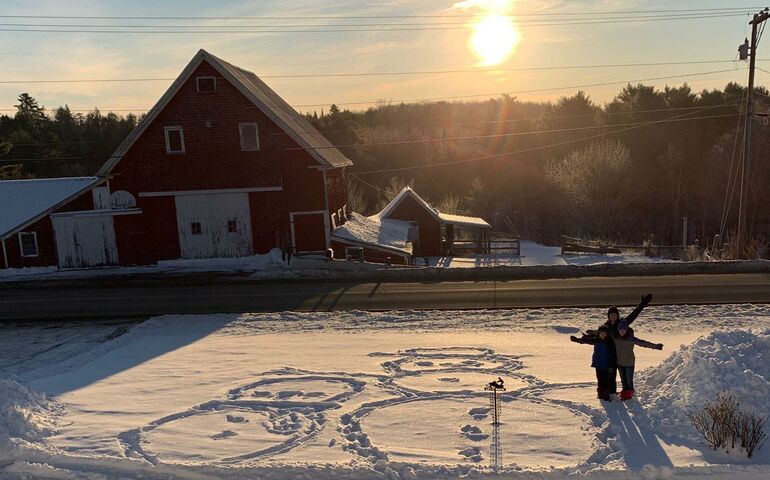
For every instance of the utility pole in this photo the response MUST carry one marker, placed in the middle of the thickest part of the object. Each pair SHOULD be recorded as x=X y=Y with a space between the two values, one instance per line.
x=758 y=19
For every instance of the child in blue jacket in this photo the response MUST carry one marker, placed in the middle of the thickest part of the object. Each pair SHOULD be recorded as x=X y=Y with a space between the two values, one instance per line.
x=604 y=359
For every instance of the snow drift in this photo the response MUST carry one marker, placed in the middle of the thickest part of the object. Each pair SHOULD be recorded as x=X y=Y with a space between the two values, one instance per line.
x=24 y=415
x=737 y=360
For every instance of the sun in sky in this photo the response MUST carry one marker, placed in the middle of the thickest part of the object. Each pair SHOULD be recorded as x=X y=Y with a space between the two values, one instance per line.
x=495 y=36
x=494 y=39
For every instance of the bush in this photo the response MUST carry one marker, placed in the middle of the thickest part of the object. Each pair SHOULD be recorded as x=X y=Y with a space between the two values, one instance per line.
x=724 y=425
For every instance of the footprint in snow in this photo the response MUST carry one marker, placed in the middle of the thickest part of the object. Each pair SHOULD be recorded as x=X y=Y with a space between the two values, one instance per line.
x=471 y=453
x=225 y=434
x=474 y=433
x=449 y=379
x=479 y=413
x=236 y=419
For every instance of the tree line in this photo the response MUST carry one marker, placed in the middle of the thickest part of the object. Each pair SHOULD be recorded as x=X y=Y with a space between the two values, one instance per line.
x=622 y=171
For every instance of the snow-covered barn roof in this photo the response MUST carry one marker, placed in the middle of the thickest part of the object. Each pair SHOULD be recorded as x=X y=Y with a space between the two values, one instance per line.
x=263 y=97
x=445 y=218
x=463 y=220
x=375 y=232
x=26 y=201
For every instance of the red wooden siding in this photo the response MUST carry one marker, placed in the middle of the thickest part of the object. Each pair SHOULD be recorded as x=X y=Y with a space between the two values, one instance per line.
x=429 y=242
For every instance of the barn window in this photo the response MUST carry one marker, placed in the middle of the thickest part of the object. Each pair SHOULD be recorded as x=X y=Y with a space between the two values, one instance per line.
x=232 y=226
x=195 y=228
x=206 y=84
x=28 y=243
x=249 y=137
x=174 y=140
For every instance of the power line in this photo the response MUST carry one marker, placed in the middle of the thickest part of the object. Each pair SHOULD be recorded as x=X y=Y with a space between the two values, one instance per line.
x=450 y=125
x=518 y=120
x=729 y=191
x=334 y=17
x=342 y=30
x=456 y=97
x=402 y=72
x=536 y=90
x=499 y=135
x=633 y=126
x=390 y=24
x=531 y=149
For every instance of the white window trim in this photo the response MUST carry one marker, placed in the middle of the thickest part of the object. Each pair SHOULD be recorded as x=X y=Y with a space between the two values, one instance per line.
x=256 y=128
x=21 y=245
x=181 y=137
x=198 y=84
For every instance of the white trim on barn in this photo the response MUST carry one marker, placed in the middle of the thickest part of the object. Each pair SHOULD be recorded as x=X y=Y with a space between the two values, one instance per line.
x=101 y=197
x=207 y=192
x=204 y=77
x=5 y=255
x=21 y=245
x=245 y=148
x=97 y=213
x=166 y=131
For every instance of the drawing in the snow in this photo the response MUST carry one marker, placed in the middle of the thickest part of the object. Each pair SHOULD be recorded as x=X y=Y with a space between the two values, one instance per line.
x=398 y=395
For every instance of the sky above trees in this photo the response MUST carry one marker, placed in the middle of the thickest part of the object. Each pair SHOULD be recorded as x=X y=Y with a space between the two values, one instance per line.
x=435 y=43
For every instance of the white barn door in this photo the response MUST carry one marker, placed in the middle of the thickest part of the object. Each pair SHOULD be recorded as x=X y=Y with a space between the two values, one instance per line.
x=214 y=225
x=87 y=241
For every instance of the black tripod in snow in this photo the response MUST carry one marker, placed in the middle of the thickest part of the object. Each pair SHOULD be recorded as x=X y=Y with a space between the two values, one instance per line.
x=494 y=389
x=495 y=452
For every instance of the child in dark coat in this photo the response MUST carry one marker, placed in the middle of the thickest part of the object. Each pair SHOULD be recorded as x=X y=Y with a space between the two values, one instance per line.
x=624 y=350
x=603 y=359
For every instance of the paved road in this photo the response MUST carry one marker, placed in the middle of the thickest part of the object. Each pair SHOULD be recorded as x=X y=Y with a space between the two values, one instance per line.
x=125 y=300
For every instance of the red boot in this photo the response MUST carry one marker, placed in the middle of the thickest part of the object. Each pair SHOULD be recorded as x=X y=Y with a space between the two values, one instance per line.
x=626 y=395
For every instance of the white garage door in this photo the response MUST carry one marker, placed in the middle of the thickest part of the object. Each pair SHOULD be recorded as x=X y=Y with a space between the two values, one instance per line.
x=87 y=241
x=214 y=225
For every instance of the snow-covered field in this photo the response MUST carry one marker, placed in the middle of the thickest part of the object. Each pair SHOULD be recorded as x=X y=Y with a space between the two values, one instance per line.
x=371 y=395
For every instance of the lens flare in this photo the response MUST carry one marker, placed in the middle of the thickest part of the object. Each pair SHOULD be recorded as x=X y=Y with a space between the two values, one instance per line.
x=494 y=39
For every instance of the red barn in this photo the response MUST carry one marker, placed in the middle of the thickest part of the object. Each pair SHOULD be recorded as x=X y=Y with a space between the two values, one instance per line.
x=221 y=166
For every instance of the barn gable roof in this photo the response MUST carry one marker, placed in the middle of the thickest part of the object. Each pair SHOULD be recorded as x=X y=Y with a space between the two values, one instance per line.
x=405 y=193
x=27 y=201
x=262 y=96
x=440 y=217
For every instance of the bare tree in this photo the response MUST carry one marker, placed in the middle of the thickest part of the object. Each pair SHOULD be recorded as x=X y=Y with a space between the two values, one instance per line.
x=598 y=180
x=394 y=186
x=451 y=204
x=357 y=198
